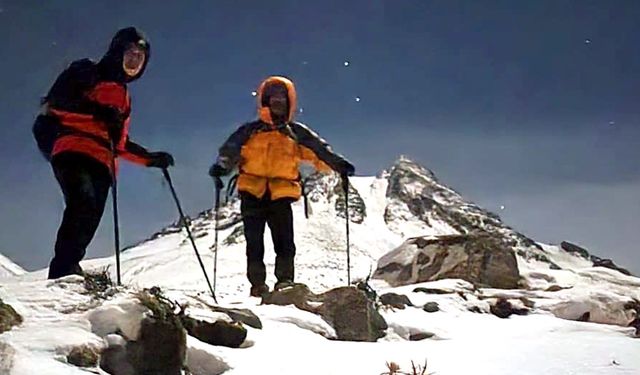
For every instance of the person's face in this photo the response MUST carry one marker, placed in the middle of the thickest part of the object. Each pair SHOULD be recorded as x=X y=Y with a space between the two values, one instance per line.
x=278 y=100
x=133 y=60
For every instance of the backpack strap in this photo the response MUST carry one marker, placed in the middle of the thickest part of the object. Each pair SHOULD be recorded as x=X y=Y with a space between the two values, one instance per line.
x=231 y=186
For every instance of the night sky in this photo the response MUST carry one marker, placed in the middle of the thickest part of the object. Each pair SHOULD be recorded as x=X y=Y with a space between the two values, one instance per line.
x=529 y=108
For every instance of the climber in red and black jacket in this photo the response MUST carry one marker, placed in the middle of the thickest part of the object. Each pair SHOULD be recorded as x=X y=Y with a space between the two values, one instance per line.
x=86 y=113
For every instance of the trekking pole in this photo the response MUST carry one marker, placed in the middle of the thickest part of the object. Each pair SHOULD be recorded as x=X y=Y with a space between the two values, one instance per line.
x=219 y=185
x=167 y=177
x=345 y=187
x=114 y=199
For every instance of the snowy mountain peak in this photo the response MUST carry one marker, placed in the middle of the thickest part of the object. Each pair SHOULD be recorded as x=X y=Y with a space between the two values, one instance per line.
x=415 y=193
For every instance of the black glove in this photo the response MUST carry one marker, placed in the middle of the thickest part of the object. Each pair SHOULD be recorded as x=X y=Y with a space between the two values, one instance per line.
x=217 y=170
x=112 y=117
x=345 y=169
x=160 y=160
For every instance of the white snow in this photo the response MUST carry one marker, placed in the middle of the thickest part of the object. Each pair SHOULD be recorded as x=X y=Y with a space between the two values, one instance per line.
x=57 y=315
x=8 y=268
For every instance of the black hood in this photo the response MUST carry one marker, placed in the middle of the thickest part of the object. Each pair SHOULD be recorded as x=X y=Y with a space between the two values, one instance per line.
x=111 y=63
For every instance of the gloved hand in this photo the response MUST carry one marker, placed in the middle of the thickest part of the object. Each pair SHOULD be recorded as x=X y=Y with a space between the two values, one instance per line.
x=217 y=170
x=112 y=117
x=345 y=169
x=160 y=160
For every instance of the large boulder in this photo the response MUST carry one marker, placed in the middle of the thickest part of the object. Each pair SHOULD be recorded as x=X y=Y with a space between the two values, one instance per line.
x=352 y=315
x=477 y=258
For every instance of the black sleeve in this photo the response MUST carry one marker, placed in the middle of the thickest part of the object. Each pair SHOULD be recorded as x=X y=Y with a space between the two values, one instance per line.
x=135 y=149
x=307 y=138
x=68 y=92
x=229 y=152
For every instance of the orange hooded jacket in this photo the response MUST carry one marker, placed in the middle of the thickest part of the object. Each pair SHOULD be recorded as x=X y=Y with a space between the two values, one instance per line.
x=268 y=155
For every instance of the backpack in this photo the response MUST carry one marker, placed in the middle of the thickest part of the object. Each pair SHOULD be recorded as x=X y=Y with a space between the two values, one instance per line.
x=68 y=87
x=46 y=130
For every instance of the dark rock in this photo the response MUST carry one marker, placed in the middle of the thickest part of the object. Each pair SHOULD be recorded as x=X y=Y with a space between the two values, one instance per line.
x=357 y=207
x=432 y=291
x=83 y=356
x=527 y=302
x=431 y=307
x=235 y=237
x=245 y=316
x=477 y=258
x=504 y=309
x=352 y=315
x=635 y=323
x=554 y=288
x=608 y=263
x=8 y=317
x=398 y=301
x=585 y=317
x=421 y=336
x=160 y=348
x=574 y=249
x=220 y=333
x=367 y=289
x=554 y=266
x=114 y=360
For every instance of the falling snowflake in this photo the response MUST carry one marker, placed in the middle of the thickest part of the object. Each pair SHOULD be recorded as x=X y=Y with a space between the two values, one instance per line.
x=305 y=63
x=301 y=110
x=357 y=98
x=346 y=63
x=612 y=122
x=253 y=93
x=54 y=44
x=502 y=208
x=587 y=41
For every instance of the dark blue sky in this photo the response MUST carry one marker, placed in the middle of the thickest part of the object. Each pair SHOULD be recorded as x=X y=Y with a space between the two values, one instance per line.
x=530 y=105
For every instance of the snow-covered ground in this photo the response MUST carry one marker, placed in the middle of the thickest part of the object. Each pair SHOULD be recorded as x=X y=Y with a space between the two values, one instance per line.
x=59 y=315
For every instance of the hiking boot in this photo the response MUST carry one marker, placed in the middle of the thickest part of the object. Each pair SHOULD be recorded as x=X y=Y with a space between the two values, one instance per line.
x=283 y=284
x=259 y=290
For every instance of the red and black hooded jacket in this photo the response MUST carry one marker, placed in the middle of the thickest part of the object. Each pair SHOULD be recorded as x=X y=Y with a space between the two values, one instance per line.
x=83 y=91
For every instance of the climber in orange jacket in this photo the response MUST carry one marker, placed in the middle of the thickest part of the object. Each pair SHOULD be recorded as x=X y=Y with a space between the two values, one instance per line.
x=267 y=153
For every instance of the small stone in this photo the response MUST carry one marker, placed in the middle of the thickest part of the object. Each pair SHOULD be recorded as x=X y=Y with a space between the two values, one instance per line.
x=431 y=307
x=421 y=336
x=83 y=356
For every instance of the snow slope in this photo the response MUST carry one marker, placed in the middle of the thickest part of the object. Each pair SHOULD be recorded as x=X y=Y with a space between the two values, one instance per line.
x=403 y=202
x=8 y=268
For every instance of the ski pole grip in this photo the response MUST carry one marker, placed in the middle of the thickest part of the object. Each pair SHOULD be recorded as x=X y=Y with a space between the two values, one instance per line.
x=218 y=182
